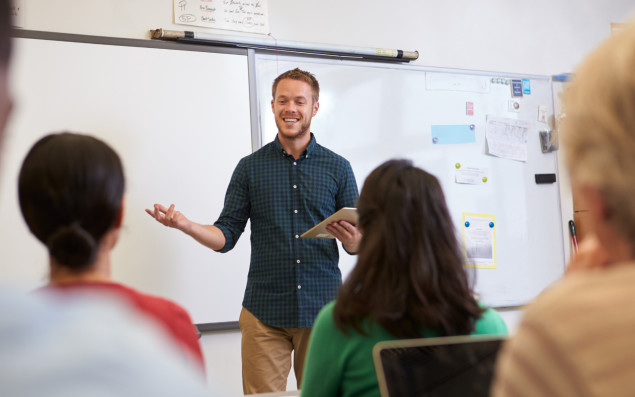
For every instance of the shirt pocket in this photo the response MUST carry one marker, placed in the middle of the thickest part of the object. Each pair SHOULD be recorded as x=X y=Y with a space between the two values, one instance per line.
x=320 y=193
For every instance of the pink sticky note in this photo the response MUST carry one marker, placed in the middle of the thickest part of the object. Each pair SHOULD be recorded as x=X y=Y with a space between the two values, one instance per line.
x=542 y=113
x=469 y=108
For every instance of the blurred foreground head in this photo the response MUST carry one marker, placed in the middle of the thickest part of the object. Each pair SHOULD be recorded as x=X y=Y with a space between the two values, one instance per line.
x=5 y=55
x=598 y=134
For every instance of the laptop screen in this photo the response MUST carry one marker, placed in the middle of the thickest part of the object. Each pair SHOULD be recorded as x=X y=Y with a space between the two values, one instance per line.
x=448 y=366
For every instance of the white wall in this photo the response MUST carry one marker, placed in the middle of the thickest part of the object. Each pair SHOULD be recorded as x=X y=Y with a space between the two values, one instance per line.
x=537 y=37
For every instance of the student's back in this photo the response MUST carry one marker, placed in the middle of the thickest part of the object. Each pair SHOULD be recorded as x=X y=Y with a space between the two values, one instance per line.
x=409 y=282
x=53 y=346
x=168 y=315
x=81 y=347
x=342 y=365
x=71 y=191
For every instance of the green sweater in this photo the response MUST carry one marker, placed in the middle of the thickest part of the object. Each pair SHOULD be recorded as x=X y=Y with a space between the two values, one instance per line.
x=342 y=365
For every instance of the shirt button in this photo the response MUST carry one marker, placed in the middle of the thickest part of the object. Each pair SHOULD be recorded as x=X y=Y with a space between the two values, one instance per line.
x=299 y=287
x=295 y=186
x=297 y=236
x=295 y=211
x=294 y=163
x=298 y=261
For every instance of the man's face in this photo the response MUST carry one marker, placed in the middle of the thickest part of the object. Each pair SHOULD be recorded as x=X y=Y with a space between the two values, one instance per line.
x=293 y=108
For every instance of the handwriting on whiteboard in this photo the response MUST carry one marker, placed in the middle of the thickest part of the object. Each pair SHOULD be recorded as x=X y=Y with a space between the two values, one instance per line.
x=240 y=15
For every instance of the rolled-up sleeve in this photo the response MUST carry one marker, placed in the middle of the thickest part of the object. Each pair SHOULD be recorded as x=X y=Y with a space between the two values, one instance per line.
x=235 y=214
x=347 y=194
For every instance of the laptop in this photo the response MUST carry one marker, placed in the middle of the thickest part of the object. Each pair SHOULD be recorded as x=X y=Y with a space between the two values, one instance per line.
x=431 y=367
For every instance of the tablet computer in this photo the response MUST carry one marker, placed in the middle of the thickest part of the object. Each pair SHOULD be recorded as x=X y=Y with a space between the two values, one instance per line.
x=348 y=214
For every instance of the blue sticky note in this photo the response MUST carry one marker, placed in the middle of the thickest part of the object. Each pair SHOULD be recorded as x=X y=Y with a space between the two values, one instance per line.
x=517 y=88
x=448 y=134
x=526 y=86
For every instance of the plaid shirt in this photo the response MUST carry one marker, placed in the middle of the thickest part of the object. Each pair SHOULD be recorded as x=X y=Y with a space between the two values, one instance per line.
x=290 y=278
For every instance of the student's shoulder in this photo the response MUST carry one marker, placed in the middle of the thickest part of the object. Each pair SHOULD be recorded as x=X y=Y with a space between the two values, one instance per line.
x=327 y=310
x=585 y=293
x=156 y=304
x=324 y=318
x=491 y=322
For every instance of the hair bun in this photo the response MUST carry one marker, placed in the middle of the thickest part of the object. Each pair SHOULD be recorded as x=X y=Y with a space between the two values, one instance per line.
x=72 y=246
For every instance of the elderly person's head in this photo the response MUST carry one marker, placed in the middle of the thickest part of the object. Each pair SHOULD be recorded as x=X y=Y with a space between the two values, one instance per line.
x=598 y=134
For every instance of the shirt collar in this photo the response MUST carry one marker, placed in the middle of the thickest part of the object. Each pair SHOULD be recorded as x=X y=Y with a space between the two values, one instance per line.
x=307 y=152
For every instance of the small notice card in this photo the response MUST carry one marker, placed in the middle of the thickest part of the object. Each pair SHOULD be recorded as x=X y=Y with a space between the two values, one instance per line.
x=240 y=15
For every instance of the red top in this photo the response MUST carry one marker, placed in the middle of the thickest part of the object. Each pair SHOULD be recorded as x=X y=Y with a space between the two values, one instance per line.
x=172 y=317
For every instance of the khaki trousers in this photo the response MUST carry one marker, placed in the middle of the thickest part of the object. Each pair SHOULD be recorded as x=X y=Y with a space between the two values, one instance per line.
x=266 y=354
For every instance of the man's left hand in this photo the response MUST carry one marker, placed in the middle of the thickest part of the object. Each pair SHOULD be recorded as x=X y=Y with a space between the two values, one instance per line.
x=347 y=233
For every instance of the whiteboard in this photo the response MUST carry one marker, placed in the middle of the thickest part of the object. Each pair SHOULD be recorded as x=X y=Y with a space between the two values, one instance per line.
x=180 y=121
x=371 y=112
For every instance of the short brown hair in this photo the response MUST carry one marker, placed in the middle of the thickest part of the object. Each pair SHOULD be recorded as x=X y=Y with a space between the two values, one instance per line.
x=598 y=130
x=298 y=74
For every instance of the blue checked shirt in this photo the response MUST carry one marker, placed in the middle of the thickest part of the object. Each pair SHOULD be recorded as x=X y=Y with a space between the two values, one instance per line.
x=290 y=278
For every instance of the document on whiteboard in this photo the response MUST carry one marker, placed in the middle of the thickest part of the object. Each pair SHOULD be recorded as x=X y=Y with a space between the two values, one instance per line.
x=507 y=138
x=244 y=16
x=479 y=240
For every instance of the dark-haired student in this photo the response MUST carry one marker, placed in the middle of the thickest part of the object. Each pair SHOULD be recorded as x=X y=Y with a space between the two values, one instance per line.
x=71 y=190
x=59 y=346
x=409 y=282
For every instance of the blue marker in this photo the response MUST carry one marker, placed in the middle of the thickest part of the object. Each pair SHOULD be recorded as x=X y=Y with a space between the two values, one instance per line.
x=561 y=77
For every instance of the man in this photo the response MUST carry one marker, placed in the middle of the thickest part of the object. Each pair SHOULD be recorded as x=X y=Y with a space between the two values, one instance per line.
x=576 y=339
x=284 y=188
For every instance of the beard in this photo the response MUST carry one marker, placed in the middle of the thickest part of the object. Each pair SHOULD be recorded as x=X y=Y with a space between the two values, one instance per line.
x=293 y=134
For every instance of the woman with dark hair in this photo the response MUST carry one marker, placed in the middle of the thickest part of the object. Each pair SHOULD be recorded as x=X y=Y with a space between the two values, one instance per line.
x=71 y=191
x=409 y=282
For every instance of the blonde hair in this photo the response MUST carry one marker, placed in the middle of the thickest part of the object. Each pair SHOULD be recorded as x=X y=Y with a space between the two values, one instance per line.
x=598 y=131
